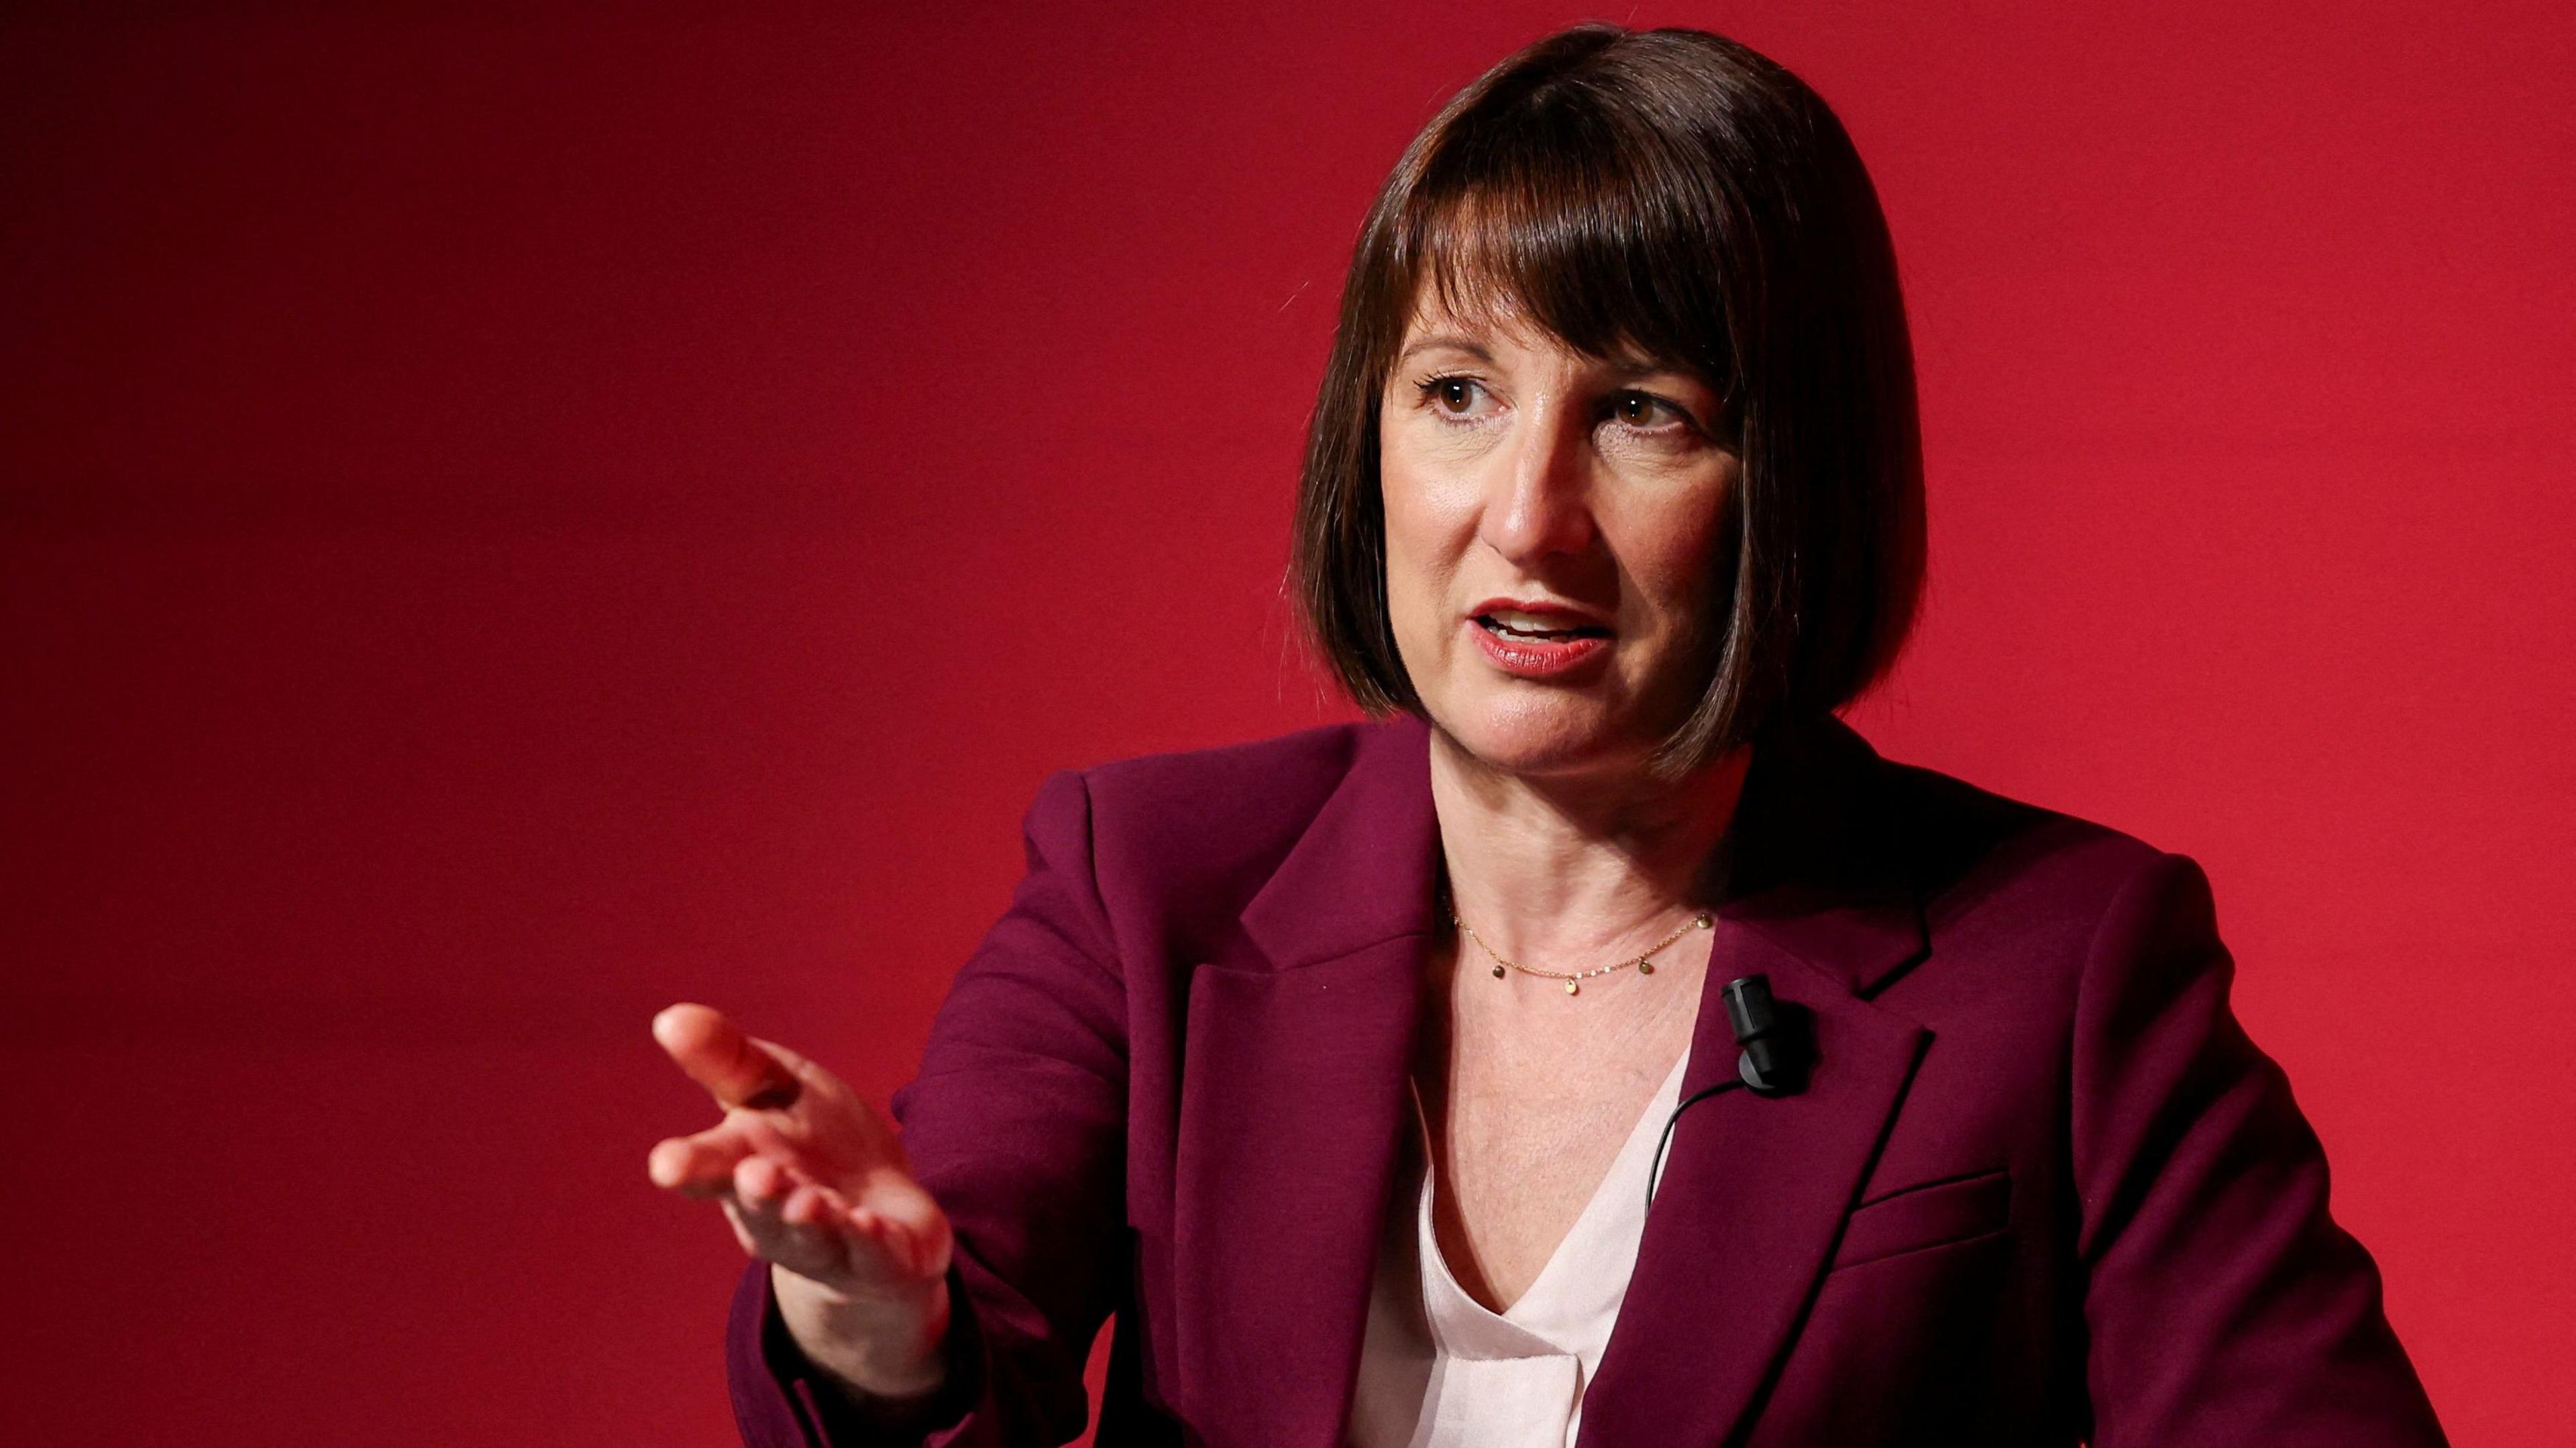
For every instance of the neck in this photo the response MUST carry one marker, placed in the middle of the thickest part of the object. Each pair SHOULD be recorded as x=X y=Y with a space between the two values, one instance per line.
x=1577 y=868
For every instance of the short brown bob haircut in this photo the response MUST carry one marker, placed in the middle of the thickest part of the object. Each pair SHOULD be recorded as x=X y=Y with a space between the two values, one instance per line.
x=1674 y=192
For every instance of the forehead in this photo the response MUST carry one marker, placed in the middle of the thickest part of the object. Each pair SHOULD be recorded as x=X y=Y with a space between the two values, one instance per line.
x=1490 y=323
x=1570 y=267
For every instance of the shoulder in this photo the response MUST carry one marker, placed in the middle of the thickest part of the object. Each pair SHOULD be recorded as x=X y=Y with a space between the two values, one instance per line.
x=1281 y=780
x=1210 y=823
x=2011 y=889
x=1968 y=849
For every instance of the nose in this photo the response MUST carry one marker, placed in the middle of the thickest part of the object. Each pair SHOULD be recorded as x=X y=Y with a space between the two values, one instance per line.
x=1538 y=496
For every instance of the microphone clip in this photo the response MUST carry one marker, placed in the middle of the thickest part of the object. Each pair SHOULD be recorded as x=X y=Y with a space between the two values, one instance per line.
x=1775 y=1057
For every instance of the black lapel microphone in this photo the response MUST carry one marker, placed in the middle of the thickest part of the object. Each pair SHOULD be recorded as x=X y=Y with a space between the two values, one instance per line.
x=1773 y=1061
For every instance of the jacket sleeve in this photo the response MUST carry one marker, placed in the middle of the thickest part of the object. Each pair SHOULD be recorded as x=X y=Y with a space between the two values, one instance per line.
x=2222 y=1302
x=1016 y=1124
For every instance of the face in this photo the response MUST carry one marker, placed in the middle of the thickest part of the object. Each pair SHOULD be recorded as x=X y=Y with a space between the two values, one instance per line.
x=1551 y=525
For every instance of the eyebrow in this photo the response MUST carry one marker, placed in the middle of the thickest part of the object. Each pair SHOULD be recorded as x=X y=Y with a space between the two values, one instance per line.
x=1446 y=341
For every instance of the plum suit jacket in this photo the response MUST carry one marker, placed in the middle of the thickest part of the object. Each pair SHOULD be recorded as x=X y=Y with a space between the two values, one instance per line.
x=2039 y=1188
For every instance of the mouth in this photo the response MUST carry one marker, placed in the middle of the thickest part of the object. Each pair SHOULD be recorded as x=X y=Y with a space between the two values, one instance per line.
x=1537 y=628
x=1538 y=642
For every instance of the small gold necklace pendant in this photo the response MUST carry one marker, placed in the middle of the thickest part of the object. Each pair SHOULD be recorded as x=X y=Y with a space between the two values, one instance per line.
x=1645 y=963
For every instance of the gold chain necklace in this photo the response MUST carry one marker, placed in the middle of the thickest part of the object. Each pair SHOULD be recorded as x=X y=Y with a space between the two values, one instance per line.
x=1645 y=962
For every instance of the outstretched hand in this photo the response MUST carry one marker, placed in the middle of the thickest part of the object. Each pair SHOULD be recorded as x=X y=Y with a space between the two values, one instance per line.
x=814 y=1182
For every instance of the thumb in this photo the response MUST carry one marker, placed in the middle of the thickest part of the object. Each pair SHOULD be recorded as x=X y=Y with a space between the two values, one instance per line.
x=735 y=1069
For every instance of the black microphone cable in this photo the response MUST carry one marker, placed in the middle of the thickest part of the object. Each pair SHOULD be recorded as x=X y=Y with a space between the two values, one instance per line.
x=1656 y=1168
x=1772 y=1061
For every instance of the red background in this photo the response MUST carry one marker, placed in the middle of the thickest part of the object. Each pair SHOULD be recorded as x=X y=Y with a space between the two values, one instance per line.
x=512 y=521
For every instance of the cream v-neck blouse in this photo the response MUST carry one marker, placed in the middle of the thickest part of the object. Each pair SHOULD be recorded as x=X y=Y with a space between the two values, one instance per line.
x=1440 y=1370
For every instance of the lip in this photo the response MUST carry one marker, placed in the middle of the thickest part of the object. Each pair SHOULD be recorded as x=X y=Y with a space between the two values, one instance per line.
x=1529 y=658
x=1575 y=616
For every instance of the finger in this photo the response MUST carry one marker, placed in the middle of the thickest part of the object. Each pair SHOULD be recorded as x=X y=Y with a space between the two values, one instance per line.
x=802 y=1202
x=911 y=1248
x=698 y=1165
x=761 y=1183
x=751 y=1196
x=884 y=1237
x=752 y=1227
x=793 y=1223
x=717 y=1055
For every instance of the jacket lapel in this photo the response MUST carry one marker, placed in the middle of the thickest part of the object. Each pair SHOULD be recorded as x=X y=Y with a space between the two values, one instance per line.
x=1755 y=1189
x=1291 y=1112
x=1750 y=1201
x=1291 y=1106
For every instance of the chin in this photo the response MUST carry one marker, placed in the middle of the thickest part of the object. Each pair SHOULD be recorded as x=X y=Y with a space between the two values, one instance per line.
x=1542 y=736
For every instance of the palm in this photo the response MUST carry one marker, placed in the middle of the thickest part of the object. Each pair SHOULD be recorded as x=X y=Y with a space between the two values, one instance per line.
x=811 y=1177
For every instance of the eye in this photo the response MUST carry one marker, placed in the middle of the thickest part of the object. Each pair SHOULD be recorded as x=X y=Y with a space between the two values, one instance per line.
x=1453 y=395
x=1648 y=413
x=1453 y=398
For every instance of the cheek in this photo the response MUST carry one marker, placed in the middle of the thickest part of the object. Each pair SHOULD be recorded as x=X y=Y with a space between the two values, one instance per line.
x=1673 y=546
x=1681 y=564
x=1427 y=530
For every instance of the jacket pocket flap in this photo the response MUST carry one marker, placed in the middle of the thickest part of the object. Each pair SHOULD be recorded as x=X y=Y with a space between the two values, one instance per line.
x=1929 y=1215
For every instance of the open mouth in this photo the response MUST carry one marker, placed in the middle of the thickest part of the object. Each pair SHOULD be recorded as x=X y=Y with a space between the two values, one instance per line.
x=1534 y=628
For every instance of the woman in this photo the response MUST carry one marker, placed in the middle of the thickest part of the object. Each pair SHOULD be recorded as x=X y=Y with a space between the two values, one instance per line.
x=1342 y=1068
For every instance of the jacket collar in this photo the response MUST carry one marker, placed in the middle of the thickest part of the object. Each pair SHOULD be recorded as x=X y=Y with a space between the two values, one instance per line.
x=1808 y=861
x=1367 y=869
x=1816 y=859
